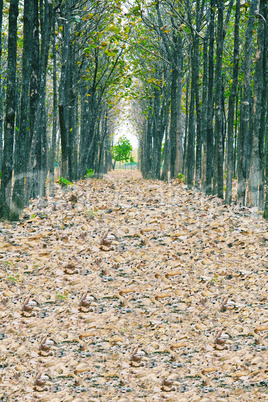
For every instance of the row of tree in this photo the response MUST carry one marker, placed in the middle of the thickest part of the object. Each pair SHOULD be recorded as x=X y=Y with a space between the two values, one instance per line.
x=62 y=63
x=194 y=71
x=202 y=69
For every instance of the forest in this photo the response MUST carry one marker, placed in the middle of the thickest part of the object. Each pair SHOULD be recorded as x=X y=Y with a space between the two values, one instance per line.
x=194 y=74
x=133 y=285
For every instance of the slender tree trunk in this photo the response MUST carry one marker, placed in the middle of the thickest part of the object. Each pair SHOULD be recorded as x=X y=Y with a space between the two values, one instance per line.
x=191 y=131
x=243 y=132
x=264 y=117
x=76 y=138
x=55 y=114
x=6 y=181
x=199 y=139
x=210 y=147
x=84 y=123
x=231 y=108
x=71 y=111
x=20 y=167
x=236 y=134
x=255 y=167
x=1 y=90
x=204 y=110
x=62 y=89
x=179 y=139
x=32 y=139
x=186 y=125
x=46 y=24
x=173 y=120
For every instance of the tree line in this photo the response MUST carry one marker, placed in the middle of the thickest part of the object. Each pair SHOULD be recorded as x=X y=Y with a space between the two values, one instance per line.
x=194 y=72
x=204 y=95
x=61 y=63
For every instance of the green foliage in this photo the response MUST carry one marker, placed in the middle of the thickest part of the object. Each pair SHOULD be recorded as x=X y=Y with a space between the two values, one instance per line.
x=64 y=182
x=91 y=213
x=13 y=278
x=0 y=174
x=60 y=297
x=121 y=152
x=90 y=173
x=181 y=177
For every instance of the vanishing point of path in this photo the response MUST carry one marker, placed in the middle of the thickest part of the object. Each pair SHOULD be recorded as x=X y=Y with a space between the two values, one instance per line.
x=124 y=289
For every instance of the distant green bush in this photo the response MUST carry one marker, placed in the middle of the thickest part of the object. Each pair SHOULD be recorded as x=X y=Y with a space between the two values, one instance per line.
x=181 y=177
x=90 y=173
x=64 y=182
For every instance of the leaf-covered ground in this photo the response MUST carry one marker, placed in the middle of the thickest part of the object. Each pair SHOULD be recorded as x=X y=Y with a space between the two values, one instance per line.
x=123 y=289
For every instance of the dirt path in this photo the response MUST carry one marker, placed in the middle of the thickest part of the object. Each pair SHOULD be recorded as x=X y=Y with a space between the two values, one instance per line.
x=129 y=290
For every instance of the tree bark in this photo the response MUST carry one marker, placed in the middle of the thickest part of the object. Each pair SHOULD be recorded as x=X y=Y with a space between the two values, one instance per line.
x=199 y=139
x=1 y=90
x=243 y=132
x=231 y=108
x=264 y=118
x=6 y=180
x=255 y=166
x=204 y=112
x=218 y=173
x=63 y=119
x=31 y=161
x=55 y=113
x=191 y=131
x=20 y=166
x=210 y=147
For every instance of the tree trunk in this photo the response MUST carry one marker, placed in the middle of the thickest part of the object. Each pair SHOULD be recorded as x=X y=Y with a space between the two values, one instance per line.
x=184 y=169
x=255 y=167
x=1 y=90
x=179 y=138
x=31 y=162
x=264 y=116
x=55 y=114
x=63 y=133
x=199 y=140
x=243 y=132
x=6 y=181
x=71 y=111
x=20 y=167
x=63 y=119
x=173 y=120
x=204 y=109
x=46 y=24
x=191 y=131
x=210 y=147
x=231 y=108
x=218 y=104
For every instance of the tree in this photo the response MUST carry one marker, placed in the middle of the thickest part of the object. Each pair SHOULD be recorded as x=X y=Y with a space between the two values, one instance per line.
x=6 y=180
x=20 y=166
x=244 y=127
x=1 y=90
x=122 y=150
x=255 y=163
x=231 y=108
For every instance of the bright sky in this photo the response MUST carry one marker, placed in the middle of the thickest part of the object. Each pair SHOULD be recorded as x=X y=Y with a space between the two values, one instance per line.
x=125 y=126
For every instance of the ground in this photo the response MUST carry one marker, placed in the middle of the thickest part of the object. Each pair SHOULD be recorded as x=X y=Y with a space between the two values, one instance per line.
x=124 y=289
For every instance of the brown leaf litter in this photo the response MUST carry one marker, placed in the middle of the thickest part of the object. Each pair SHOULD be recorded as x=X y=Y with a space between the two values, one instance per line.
x=125 y=289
